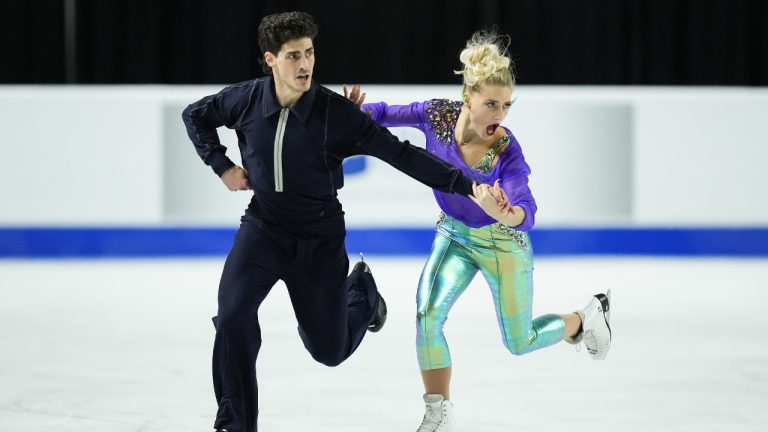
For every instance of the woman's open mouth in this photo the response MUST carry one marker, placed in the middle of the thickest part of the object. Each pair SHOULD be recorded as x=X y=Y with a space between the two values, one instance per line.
x=490 y=130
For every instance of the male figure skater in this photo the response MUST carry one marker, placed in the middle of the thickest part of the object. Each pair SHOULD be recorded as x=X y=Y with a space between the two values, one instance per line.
x=293 y=135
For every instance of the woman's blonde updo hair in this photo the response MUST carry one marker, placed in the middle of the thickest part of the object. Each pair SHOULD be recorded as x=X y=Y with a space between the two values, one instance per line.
x=486 y=61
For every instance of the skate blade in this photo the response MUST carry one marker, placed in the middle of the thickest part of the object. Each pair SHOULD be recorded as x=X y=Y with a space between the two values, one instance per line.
x=605 y=302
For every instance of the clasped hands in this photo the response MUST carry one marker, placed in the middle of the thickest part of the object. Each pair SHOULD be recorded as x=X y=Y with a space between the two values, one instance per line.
x=492 y=199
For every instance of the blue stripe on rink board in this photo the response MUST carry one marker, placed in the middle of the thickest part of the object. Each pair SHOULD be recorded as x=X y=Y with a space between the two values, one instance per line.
x=198 y=242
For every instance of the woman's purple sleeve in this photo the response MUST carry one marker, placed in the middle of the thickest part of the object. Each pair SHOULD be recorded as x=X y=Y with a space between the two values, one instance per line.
x=514 y=181
x=411 y=115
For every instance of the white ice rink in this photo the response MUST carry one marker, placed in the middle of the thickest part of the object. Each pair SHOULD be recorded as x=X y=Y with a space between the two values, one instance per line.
x=124 y=346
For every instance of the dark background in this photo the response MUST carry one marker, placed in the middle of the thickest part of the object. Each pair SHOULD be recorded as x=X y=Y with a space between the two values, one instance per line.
x=625 y=42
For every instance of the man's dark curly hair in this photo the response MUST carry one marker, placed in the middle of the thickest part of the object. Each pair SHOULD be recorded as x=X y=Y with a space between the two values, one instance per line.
x=277 y=29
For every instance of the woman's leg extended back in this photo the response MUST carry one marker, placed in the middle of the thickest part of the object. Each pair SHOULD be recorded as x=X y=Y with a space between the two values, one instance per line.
x=505 y=259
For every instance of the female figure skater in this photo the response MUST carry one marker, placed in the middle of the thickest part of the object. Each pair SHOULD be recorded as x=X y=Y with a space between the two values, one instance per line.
x=492 y=239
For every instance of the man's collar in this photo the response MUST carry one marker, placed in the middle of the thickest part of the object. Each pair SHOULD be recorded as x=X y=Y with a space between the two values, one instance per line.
x=271 y=105
x=269 y=102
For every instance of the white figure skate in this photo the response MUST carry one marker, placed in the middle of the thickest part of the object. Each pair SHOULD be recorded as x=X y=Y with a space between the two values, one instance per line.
x=439 y=415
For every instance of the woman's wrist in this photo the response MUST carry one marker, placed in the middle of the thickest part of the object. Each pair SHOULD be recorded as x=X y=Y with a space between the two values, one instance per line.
x=514 y=216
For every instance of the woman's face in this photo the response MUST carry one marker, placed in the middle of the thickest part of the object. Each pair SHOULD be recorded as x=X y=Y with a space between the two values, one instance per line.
x=487 y=108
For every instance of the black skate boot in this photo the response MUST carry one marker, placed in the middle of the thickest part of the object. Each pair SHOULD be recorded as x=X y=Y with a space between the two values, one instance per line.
x=381 y=316
x=381 y=311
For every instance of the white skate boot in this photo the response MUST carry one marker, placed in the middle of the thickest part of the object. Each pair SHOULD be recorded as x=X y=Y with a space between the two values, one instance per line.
x=596 y=329
x=439 y=415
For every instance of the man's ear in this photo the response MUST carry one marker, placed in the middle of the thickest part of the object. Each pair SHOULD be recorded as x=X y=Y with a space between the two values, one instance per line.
x=269 y=59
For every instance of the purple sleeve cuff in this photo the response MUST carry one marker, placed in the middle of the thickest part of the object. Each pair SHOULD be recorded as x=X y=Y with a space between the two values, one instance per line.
x=374 y=110
x=528 y=222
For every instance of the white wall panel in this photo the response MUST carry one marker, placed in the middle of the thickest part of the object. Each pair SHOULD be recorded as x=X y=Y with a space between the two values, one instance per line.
x=116 y=155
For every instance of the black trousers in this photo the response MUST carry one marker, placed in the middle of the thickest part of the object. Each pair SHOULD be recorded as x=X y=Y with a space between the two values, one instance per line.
x=333 y=310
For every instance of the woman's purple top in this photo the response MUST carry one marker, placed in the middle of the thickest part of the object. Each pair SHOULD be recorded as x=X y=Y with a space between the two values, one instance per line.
x=436 y=118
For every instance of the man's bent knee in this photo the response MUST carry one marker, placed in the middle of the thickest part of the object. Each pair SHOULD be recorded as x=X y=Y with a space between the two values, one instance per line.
x=328 y=359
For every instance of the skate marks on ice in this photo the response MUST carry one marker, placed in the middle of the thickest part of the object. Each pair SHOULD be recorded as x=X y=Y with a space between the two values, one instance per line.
x=126 y=346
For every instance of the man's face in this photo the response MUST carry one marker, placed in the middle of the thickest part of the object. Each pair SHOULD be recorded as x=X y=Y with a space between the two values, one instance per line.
x=293 y=64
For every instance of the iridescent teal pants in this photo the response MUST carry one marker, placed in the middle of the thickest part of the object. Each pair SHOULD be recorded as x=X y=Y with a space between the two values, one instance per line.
x=505 y=258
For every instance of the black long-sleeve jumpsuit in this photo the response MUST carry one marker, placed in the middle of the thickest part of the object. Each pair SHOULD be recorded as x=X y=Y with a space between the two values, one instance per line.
x=294 y=227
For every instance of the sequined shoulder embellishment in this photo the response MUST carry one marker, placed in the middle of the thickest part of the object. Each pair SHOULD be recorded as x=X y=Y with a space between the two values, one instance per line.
x=442 y=115
x=485 y=164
